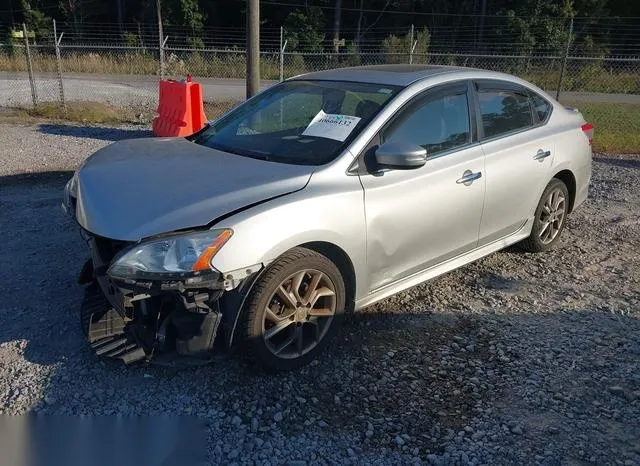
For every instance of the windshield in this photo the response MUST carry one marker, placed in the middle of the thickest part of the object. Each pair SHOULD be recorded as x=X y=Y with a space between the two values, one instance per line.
x=298 y=122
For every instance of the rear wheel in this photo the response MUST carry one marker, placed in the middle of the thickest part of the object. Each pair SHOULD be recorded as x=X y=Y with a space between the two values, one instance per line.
x=294 y=310
x=550 y=217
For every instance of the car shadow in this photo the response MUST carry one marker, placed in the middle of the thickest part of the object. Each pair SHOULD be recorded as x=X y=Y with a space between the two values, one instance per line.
x=624 y=162
x=104 y=133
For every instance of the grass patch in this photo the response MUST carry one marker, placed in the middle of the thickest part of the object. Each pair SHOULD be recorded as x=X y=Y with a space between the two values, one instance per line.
x=80 y=112
x=120 y=62
x=83 y=112
x=617 y=126
x=215 y=110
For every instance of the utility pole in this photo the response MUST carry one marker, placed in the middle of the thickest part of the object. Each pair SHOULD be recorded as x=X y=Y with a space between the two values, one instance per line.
x=160 y=39
x=253 y=47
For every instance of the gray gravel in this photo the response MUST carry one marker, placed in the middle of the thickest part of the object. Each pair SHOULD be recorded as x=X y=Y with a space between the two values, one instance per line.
x=515 y=359
x=50 y=147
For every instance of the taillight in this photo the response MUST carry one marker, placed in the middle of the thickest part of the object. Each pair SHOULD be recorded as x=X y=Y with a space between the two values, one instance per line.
x=587 y=128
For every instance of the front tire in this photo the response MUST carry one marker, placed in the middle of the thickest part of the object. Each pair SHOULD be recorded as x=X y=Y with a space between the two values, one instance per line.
x=550 y=217
x=294 y=310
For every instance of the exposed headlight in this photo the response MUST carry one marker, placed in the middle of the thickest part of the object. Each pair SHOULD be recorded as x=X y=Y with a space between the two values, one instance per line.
x=70 y=191
x=173 y=255
x=72 y=185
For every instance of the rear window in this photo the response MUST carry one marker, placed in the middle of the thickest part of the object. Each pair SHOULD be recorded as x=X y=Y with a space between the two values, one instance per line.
x=504 y=111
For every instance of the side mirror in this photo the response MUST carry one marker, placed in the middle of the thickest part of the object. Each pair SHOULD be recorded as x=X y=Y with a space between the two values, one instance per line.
x=400 y=155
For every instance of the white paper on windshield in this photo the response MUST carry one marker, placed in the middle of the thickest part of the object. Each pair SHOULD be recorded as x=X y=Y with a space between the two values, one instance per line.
x=331 y=126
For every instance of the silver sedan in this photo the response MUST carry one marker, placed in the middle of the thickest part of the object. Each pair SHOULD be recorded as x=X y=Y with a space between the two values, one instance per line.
x=321 y=195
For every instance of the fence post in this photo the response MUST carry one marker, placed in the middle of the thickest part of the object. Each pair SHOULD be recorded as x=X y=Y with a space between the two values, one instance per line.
x=56 y=41
x=563 y=69
x=281 y=55
x=34 y=92
x=411 y=46
x=160 y=39
x=283 y=47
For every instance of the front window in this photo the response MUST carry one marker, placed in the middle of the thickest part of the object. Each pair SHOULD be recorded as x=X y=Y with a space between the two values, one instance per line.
x=298 y=122
x=438 y=124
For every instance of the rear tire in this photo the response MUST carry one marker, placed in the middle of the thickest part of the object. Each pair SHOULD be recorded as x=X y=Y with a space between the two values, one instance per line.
x=550 y=218
x=294 y=310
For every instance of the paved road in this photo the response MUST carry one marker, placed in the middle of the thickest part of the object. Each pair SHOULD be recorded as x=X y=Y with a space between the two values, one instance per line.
x=214 y=89
x=113 y=89
x=134 y=90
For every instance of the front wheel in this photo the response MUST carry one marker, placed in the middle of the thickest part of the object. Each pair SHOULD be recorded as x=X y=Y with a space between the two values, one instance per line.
x=550 y=217
x=294 y=309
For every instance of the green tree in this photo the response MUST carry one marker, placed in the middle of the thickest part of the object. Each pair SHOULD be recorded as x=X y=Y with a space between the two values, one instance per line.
x=397 y=48
x=192 y=17
x=537 y=27
x=186 y=13
x=304 y=30
x=36 y=21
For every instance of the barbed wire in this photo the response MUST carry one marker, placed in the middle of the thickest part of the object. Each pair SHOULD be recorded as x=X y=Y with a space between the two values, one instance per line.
x=608 y=36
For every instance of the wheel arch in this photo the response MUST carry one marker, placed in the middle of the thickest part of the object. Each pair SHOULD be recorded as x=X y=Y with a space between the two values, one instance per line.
x=341 y=259
x=233 y=303
x=569 y=179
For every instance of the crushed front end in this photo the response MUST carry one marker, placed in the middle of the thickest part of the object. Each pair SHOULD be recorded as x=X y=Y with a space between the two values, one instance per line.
x=151 y=286
x=136 y=316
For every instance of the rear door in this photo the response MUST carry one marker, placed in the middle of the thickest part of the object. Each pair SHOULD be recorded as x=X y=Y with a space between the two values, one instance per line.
x=519 y=152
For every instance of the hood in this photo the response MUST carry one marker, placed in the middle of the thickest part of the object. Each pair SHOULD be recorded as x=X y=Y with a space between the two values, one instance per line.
x=143 y=187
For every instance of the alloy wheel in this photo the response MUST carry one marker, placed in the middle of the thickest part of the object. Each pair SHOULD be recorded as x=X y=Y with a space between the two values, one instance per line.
x=299 y=313
x=552 y=215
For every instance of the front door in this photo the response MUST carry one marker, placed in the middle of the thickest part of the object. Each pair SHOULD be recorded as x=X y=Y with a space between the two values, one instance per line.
x=421 y=217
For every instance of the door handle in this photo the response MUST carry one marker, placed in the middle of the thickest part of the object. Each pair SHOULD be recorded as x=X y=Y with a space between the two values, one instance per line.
x=542 y=154
x=469 y=177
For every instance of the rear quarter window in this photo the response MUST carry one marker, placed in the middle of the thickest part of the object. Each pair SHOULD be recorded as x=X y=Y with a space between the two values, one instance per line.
x=541 y=107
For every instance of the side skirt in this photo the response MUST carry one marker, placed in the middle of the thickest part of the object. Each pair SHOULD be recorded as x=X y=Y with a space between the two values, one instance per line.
x=444 y=267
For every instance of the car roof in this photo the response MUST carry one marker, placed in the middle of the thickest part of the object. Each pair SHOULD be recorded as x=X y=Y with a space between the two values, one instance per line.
x=390 y=75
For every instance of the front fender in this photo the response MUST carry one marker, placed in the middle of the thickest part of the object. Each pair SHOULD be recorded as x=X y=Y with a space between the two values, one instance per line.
x=330 y=211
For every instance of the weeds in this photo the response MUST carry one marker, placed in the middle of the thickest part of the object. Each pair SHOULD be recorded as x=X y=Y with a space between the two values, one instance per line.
x=587 y=76
x=617 y=126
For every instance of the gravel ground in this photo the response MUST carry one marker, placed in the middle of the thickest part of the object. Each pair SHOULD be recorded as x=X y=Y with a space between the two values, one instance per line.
x=515 y=359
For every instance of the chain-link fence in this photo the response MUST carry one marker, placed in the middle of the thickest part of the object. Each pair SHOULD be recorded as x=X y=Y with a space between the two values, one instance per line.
x=125 y=75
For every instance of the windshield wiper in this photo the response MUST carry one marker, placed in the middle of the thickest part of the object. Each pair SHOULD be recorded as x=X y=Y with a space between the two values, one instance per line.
x=243 y=152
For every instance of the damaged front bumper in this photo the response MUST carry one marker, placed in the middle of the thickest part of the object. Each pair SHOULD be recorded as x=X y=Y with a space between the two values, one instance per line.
x=135 y=320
